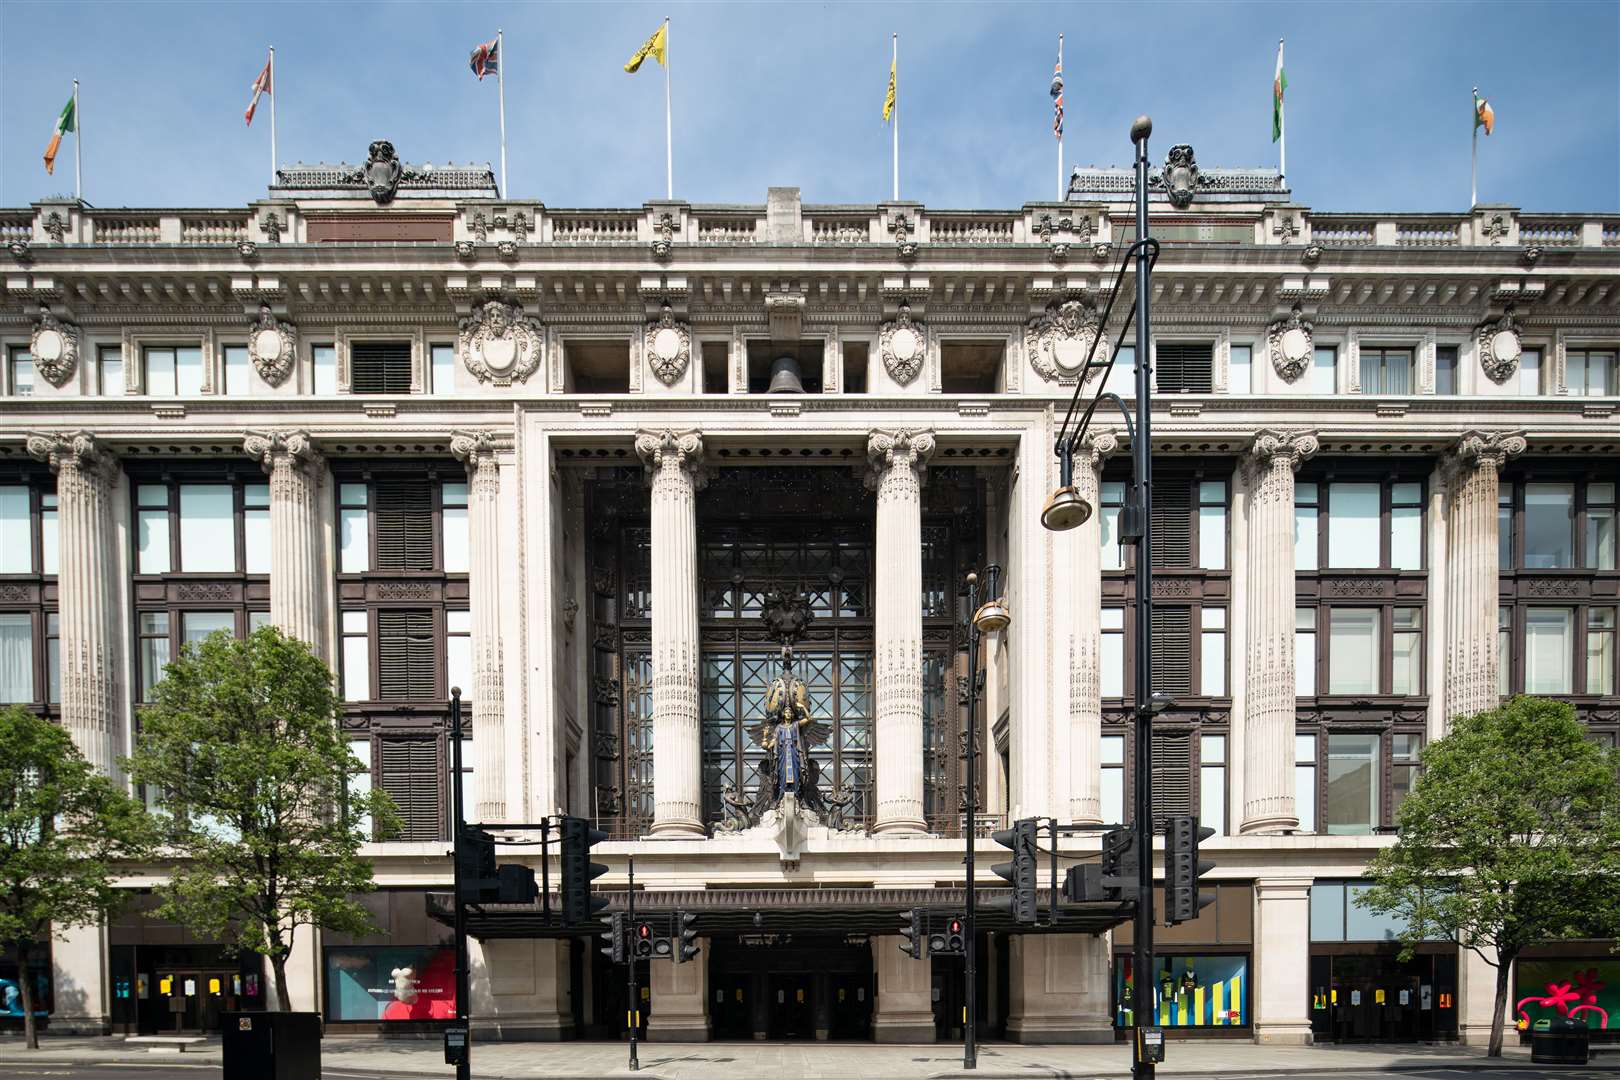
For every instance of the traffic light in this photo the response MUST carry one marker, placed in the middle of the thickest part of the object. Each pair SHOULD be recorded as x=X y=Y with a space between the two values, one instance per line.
x=578 y=905
x=1020 y=873
x=1119 y=864
x=911 y=928
x=936 y=944
x=475 y=856
x=1183 y=869
x=641 y=942
x=515 y=884
x=685 y=935
x=1083 y=883
x=954 y=942
x=614 y=949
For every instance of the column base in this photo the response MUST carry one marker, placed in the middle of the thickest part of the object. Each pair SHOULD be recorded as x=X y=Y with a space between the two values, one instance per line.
x=901 y=827
x=678 y=830
x=1276 y=823
x=1283 y=1035
x=1063 y=1030
x=904 y=1028
x=681 y=1029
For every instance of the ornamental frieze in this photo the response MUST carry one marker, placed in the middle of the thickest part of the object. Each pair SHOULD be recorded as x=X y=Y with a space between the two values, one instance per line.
x=1288 y=342
x=668 y=347
x=499 y=344
x=902 y=345
x=1499 y=347
x=54 y=347
x=1061 y=338
x=273 y=347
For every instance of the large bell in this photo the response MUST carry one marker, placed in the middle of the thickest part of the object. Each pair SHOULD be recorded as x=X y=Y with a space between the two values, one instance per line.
x=785 y=376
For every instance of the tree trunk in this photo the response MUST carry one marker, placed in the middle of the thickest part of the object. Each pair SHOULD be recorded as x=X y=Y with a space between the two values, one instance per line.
x=1504 y=965
x=283 y=999
x=25 y=985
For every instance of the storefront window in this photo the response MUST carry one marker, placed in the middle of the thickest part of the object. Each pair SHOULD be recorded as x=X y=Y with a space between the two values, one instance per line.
x=403 y=972
x=1579 y=988
x=1188 y=991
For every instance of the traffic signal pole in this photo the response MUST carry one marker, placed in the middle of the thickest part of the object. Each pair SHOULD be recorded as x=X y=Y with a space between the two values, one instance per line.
x=459 y=826
x=634 y=1005
x=970 y=1051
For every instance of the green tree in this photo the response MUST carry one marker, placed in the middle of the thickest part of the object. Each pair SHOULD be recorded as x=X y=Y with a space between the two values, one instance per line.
x=243 y=746
x=62 y=827
x=1510 y=837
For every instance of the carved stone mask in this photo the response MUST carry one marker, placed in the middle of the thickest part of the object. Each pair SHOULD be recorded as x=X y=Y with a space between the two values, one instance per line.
x=382 y=172
x=1180 y=175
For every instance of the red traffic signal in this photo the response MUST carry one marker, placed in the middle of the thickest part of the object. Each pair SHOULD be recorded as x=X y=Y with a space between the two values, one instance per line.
x=643 y=930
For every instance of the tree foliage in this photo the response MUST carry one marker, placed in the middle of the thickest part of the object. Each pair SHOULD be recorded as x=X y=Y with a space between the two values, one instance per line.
x=1510 y=837
x=62 y=828
x=243 y=745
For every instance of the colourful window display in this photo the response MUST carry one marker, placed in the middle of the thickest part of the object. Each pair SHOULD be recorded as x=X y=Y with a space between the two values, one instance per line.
x=1188 y=991
x=1576 y=988
x=390 y=984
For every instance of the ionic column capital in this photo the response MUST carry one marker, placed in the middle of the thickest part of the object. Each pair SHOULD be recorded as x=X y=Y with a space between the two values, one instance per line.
x=75 y=451
x=475 y=449
x=903 y=448
x=1273 y=446
x=667 y=448
x=1486 y=449
x=1097 y=444
x=294 y=450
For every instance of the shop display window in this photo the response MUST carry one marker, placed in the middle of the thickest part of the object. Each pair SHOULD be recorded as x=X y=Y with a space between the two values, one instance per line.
x=389 y=983
x=1575 y=988
x=1188 y=991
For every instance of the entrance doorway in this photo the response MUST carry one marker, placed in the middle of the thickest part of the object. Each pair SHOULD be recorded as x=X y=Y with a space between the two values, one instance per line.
x=791 y=987
x=1375 y=997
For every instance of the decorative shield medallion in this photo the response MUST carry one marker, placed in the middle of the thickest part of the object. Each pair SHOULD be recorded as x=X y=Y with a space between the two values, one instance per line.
x=668 y=345
x=499 y=344
x=1180 y=176
x=382 y=172
x=54 y=347
x=1500 y=347
x=272 y=347
x=902 y=345
x=1289 y=343
x=1060 y=339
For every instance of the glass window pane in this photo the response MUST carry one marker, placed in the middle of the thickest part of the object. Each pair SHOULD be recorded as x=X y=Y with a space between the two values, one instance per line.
x=1600 y=651
x=1322 y=369
x=1305 y=652
x=1353 y=511
x=197 y=625
x=1406 y=538
x=1113 y=497
x=456 y=551
x=188 y=370
x=1406 y=665
x=1239 y=375
x=353 y=541
x=1504 y=528
x=1445 y=369
x=1600 y=534
x=1353 y=650
x=1212 y=798
x=1305 y=797
x=1212 y=749
x=50 y=543
x=1504 y=651
x=53 y=657
x=1305 y=542
x=1122 y=379
x=207 y=536
x=1112 y=660
x=1212 y=536
x=324 y=359
x=257 y=619
x=1113 y=749
x=354 y=494
x=1212 y=663
x=16 y=531
x=16 y=658
x=154 y=627
x=256 y=532
x=454 y=494
x=460 y=663
x=238 y=380
x=360 y=782
x=160 y=372
x=1530 y=372
x=152 y=541
x=1548 y=650
x=112 y=371
x=1549 y=526
x=1352 y=784
x=444 y=369
x=1327 y=911
x=356 y=661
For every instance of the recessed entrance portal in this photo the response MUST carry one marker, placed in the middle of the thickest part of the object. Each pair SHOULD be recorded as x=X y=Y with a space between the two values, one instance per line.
x=791 y=986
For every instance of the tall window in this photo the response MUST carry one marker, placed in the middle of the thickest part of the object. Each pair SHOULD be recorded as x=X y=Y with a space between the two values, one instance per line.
x=1212 y=783
x=1590 y=372
x=110 y=370
x=1112 y=654
x=205 y=527
x=1445 y=370
x=1386 y=371
x=1305 y=651
x=1349 y=525
x=1353 y=652
x=19 y=372
x=1352 y=785
x=443 y=365
x=1323 y=363
x=1559 y=525
x=323 y=369
x=1240 y=370
x=172 y=370
x=1405 y=751
x=1530 y=372
x=238 y=371
x=1113 y=502
x=1113 y=779
x=1305 y=781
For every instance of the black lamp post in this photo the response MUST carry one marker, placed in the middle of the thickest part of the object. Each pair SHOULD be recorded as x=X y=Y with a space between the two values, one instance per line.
x=1067 y=509
x=990 y=617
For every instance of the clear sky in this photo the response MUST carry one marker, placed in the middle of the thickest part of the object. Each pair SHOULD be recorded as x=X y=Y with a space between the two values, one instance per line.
x=790 y=94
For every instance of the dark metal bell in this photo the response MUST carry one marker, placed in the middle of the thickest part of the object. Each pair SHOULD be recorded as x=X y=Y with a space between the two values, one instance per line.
x=785 y=377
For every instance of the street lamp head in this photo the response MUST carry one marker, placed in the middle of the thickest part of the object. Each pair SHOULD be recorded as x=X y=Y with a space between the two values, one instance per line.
x=1141 y=128
x=1065 y=510
x=992 y=616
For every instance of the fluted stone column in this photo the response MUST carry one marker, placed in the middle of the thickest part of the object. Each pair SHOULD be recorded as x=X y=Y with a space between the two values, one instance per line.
x=1083 y=553
x=476 y=449
x=672 y=459
x=1472 y=470
x=897 y=459
x=297 y=564
x=91 y=638
x=1268 y=720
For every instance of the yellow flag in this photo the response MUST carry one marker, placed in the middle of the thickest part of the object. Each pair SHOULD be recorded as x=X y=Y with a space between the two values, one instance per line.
x=654 y=48
x=888 y=100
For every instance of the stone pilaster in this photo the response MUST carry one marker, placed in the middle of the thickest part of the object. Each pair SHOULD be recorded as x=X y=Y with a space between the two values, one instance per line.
x=897 y=459
x=476 y=449
x=672 y=459
x=297 y=552
x=1268 y=720
x=1472 y=470
x=91 y=638
x=1081 y=551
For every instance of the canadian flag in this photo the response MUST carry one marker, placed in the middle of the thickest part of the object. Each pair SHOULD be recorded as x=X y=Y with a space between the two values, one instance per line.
x=261 y=85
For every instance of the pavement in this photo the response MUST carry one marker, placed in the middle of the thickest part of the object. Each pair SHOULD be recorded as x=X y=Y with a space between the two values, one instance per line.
x=359 y=1058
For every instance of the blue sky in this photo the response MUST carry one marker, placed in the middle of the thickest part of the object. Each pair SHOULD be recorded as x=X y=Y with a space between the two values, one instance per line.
x=790 y=94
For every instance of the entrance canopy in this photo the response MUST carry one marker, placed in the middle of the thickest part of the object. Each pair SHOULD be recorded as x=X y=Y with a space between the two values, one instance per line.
x=730 y=912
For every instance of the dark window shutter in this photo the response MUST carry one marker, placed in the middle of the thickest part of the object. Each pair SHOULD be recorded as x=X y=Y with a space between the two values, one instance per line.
x=410 y=775
x=404 y=523
x=1172 y=522
x=407 y=660
x=1172 y=650
x=1184 y=367
x=1172 y=774
x=380 y=367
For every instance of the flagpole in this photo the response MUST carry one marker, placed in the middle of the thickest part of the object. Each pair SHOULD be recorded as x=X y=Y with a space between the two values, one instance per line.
x=669 y=128
x=1282 y=123
x=273 y=94
x=1473 y=167
x=1060 y=130
x=500 y=82
x=78 y=144
x=894 y=152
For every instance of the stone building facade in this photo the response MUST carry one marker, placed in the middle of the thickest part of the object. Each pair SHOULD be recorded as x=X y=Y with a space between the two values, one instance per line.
x=450 y=438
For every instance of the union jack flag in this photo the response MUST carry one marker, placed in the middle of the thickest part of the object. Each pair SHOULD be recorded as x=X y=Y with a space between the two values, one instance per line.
x=1057 y=100
x=486 y=59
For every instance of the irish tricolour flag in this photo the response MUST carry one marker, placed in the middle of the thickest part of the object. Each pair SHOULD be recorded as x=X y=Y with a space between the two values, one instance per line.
x=64 y=124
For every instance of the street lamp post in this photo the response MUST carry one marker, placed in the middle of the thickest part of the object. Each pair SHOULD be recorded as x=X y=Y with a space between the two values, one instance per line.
x=1067 y=509
x=988 y=618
